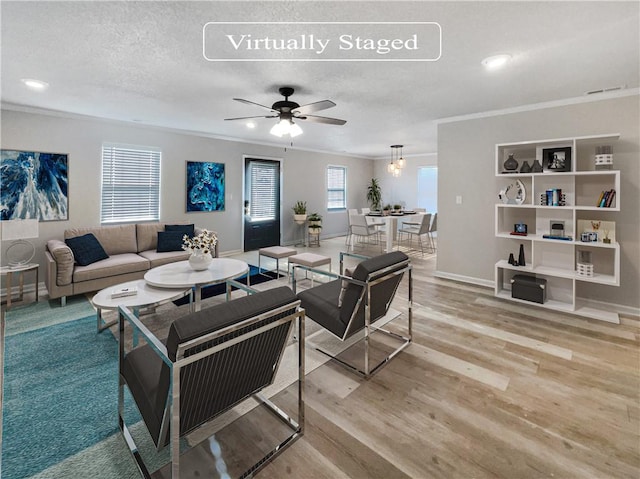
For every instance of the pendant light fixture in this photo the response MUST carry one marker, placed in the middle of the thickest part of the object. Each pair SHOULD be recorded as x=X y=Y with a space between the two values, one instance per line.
x=397 y=161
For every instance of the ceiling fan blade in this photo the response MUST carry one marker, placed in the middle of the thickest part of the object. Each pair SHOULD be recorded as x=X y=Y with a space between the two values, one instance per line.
x=322 y=119
x=251 y=117
x=253 y=103
x=316 y=106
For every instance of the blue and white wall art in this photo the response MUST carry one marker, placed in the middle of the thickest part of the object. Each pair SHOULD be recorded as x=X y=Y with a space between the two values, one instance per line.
x=34 y=185
x=205 y=186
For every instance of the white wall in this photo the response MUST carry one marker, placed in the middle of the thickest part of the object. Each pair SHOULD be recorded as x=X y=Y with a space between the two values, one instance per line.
x=304 y=173
x=467 y=247
x=403 y=189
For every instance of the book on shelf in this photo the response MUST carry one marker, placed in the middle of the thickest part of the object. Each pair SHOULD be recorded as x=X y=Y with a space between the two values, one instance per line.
x=606 y=198
x=123 y=292
x=558 y=237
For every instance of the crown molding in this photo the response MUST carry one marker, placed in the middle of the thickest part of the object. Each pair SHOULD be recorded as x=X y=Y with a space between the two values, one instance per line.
x=543 y=105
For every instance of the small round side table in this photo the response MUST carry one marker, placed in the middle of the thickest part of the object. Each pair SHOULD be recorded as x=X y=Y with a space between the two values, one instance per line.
x=9 y=271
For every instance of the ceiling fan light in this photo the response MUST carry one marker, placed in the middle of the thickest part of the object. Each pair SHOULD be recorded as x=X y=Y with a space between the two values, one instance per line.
x=294 y=130
x=281 y=128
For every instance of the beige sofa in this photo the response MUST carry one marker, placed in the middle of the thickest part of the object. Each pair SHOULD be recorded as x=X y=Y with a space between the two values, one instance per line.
x=131 y=249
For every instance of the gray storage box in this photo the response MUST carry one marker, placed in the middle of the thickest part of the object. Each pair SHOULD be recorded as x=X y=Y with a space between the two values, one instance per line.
x=529 y=288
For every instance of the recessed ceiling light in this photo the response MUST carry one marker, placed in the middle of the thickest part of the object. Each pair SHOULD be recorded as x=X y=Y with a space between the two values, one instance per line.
x=496 y=61
x=37 y=85
x=251 y=124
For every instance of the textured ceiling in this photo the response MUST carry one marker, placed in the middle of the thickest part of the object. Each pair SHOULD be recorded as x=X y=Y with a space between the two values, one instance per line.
x=143 y=61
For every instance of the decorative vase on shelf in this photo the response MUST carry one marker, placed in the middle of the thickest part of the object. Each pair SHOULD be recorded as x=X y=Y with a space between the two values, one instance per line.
x=199 y=261
x=521 y=261
x=536 y=167
x=510 y=164
x=525 y=168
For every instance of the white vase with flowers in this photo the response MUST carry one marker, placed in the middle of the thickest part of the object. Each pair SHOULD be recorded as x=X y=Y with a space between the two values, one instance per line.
x=200 y=247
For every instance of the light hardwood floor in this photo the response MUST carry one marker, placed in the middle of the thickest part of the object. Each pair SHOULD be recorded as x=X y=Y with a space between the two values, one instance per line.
x=488 y=388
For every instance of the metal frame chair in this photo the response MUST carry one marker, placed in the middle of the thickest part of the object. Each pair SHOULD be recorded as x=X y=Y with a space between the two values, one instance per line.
x=359 y=227
x=366 y=298
x=432 y=229
x=416 y=229
x=201 y=372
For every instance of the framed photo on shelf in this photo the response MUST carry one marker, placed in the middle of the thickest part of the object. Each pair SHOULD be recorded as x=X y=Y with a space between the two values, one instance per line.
x=557 y=159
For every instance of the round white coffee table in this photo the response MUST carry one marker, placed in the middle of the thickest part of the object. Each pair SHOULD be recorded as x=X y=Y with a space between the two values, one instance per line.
x=180 y=275
x=146 y=296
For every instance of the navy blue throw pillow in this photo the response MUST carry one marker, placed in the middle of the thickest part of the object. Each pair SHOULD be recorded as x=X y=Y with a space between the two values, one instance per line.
x=188 y=230
x=169 y=241
x=86 y=249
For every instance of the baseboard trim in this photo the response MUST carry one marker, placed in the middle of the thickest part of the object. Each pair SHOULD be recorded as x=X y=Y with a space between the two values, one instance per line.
x=604 y=306
x=464 y=279
x=601 y=305
x=232 y=252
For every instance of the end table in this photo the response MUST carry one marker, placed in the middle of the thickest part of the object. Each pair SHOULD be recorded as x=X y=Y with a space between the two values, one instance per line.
x=9 y=271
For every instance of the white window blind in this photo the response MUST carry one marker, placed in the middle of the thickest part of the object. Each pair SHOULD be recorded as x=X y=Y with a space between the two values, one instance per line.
x=264 y=190
x=130 y=184
x=336 y=187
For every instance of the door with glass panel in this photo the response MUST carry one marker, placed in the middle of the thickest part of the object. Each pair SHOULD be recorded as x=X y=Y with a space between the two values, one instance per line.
x=261 y=203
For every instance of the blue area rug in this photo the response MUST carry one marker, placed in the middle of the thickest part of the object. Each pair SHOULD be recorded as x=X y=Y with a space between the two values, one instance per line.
x=216 y=289
x=60 y=395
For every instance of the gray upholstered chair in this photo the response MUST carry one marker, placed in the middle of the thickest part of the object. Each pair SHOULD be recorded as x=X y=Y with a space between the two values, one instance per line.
x=211 y=361
x=348 y=305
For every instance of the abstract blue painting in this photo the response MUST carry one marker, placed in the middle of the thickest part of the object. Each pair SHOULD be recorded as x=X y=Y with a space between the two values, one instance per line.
x=34 y=185
x=205 y=186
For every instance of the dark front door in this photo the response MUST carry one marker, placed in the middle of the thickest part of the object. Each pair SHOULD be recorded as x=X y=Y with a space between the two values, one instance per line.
x=262 y=203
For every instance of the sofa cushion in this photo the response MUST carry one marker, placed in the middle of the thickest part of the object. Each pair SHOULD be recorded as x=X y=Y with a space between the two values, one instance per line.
x=158 y=259
x=114 y=239
x=188 y=230
x=114 y=265
x=86 y=249
x=169 y=241
x=147 y=235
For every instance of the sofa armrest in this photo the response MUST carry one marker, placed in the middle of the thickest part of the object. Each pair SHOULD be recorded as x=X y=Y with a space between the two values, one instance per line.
x=62 y=264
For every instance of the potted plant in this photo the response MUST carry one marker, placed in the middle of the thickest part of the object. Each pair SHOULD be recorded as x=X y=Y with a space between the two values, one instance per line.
x=386 y=210
x=374 y=194
x=314 y=219
x=300 y=212
x=315 y=223
x=314 y=229
x=397 y=208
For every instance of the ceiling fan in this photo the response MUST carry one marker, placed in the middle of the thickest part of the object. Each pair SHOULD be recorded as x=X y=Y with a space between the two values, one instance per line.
x=287 y=111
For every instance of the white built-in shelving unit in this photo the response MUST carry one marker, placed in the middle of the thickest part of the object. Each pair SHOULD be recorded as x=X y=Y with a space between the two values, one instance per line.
x=553 y=259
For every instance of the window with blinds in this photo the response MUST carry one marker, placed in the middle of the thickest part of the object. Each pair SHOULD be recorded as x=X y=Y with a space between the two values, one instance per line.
x=130 y=184
x=264 y=190
x=336 y=187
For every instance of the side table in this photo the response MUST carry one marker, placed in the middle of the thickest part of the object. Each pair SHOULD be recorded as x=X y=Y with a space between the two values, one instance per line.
x=9 y=271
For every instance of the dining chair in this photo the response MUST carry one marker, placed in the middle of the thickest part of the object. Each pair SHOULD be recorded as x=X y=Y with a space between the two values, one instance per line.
x=418 y=229
x=360 y=228
x=433 y=229
x=350 y=213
